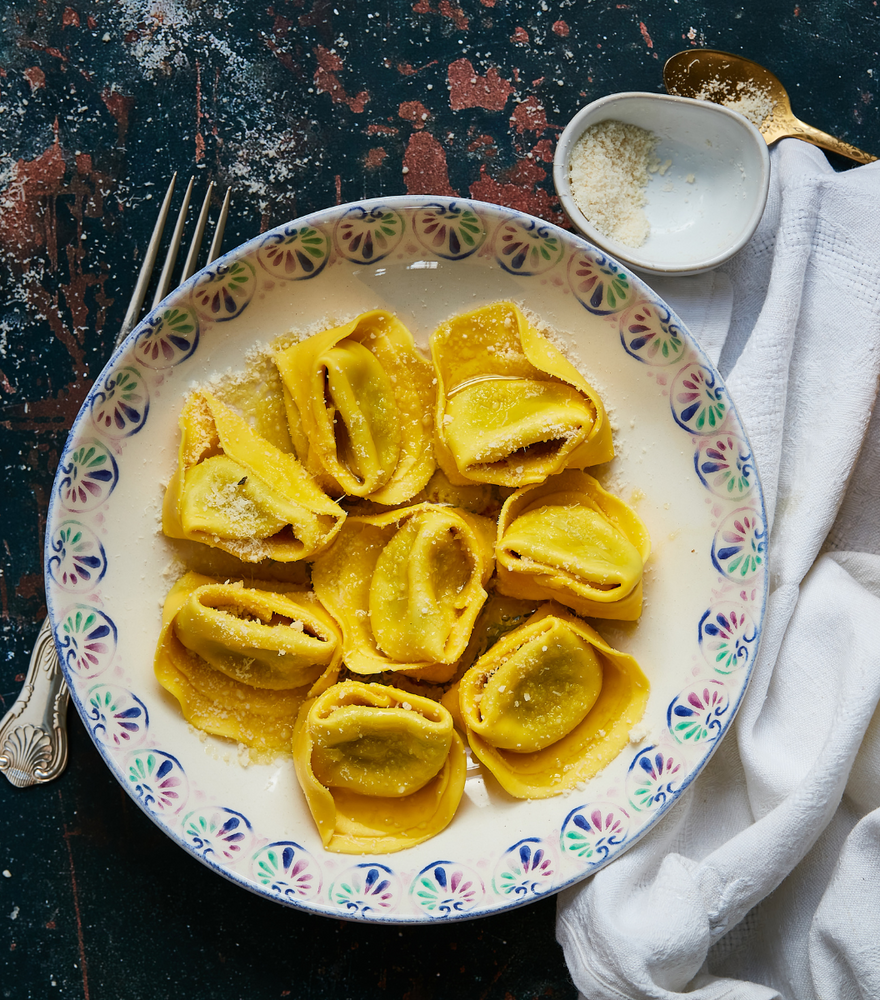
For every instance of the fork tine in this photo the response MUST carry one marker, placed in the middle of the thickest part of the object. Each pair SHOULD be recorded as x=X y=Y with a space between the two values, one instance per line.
x=214 y=252
x=171 y=256
x=189 y=265
x=146 y=272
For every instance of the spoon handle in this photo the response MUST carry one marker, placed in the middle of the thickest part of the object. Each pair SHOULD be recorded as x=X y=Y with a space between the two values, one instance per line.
x=796 y=129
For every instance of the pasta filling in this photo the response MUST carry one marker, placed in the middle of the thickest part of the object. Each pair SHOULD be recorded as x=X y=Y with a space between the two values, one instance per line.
x=511 y=409
x=550 y=704
x=540 y=692
x=381 y=769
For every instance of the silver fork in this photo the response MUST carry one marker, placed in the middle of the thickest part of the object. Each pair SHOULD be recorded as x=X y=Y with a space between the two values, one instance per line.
x=33 y=733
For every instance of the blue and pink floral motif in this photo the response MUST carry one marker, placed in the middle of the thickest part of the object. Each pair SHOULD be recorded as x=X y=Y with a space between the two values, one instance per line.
x=86 y=477
x=452 y=230
x=698 y=400
x=444 y=889
x=117 y=718
x=86 y=641
x=77 y=562
x=739 y=548
x=728 y=638
x=287 y=870
x=699 y=713
x=599 y=283
x=294 y=252
x=650 y=334
x=168 y=337
x=157 y=781
x=526 y=869
x=593 y=833
x=366 y=890
x=365 y=236
x=654 y=779
x=525 y=246
x=122 y=403
x=725 y=466
x=218 y=834
x=224 y=290
x=572 y=842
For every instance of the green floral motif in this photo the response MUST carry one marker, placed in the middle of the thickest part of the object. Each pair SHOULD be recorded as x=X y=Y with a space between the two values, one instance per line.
x=527 y=247
x=451 y=229
x=224 y=292
x=593 y=832
x=725 y=466
x=698 y=401
x=168 y=338
x=367 y=235
x=294 y=253
x=599 y=283
x=697 y=714
x=158 y=780
x=287 y=869
x=740 y=545
x=87 y=477
x=120 y=407
x=444 y=889
x=648 y=332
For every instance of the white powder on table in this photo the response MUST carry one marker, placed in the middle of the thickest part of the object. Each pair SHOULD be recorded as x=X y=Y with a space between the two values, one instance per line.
x=609 y=170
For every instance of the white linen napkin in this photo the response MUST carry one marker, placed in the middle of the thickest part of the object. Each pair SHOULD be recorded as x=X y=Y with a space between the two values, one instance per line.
x=764 y=880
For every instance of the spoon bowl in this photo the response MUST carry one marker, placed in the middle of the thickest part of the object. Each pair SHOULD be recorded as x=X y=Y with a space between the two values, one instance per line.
x=749 y=88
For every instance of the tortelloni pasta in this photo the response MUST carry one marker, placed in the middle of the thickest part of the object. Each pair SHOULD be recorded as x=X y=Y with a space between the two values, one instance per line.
x=236 y=491
x=446 y=474
x=570 y=540
x=511 y=409
x=358 y=400
x=241 y=660
x=381 y=769
x=550 y=704
x=406 y=587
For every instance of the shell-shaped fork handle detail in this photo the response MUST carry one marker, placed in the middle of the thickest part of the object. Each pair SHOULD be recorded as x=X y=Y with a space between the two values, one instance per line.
x=33 y=736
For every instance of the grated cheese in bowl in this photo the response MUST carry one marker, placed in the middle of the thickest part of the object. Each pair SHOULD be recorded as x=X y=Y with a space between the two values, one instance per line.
x=609 y=170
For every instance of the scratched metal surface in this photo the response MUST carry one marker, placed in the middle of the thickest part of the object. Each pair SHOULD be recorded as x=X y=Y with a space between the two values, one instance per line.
x=301 y=105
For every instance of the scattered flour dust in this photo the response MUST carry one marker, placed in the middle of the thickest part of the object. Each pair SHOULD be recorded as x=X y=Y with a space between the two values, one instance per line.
x=609 y=171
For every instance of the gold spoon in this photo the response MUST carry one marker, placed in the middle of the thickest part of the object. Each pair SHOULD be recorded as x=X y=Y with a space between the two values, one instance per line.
x=749 y=88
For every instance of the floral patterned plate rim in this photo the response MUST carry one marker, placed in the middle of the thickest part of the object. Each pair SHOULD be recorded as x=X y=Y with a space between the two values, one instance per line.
x=682 y=457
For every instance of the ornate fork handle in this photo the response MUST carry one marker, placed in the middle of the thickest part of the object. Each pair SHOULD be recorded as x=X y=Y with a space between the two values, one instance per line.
x=33 y=735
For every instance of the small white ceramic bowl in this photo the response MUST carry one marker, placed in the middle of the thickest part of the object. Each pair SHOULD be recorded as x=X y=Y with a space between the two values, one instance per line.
x=707 y=204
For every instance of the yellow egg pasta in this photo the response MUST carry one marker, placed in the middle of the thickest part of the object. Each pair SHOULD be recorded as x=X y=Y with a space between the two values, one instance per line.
x=550 y=704
x=236 y=491
x=568 y=539
x=511 y=409
x=242 y=659
x=464 y=543
x=406 y=587
x=381 y=769
x=358 y=400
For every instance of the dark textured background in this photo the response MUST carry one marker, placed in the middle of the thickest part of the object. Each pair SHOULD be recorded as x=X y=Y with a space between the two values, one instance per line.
x=299 y=104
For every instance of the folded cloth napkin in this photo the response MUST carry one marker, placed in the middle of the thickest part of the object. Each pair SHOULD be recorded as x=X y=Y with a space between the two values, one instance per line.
x=764 y=880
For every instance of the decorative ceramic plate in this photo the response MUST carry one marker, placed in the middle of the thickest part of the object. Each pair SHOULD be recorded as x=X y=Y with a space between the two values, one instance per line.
x=682 y=459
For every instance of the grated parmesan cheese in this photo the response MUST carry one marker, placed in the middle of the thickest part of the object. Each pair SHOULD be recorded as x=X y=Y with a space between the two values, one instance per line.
x=609 y=171
x=753 y=102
